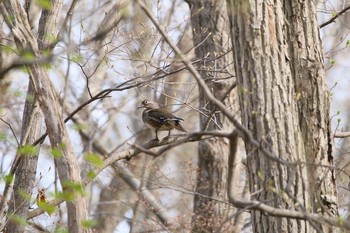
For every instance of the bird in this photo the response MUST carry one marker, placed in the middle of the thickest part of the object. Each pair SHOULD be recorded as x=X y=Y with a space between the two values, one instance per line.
x=159 y=119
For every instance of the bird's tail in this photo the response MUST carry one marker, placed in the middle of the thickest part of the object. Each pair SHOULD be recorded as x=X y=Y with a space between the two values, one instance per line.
x=180 y=128
x=176 y=123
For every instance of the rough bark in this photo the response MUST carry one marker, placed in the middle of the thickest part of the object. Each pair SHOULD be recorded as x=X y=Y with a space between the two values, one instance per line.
x=285 y=104
x=212 y=43
x=67 y=164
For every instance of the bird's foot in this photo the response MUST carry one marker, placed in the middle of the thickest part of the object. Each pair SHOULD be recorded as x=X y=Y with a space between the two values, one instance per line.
x=155 y=140
x=169 y=139
x=166 y=139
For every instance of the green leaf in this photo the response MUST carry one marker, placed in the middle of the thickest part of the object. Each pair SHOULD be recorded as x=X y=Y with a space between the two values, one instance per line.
x=94 y=159
x=270 y=183
x=8 y=178
x=70 y=189
x=89 y=223
x=61 y=230
x=3 y=137
x=76 y=57
x=332 y=61
x=71 y=185
x=340 y=220
x=28 y=55
x=50 y=209
x=24 y=69
x=17 y=219
x=79 y=127
x=56 y=153
x=10 y=18
x=347 y=42
x=25 y=195
x=91 y=175
x=28 y=150
x=67 y=196
x=18 y=93
x=124 y=12
x=30 y=97
x=10 y=50
x=285 y=196
x=46 y=4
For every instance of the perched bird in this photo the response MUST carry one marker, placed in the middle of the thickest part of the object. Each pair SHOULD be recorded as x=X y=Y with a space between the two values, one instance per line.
x=159 y=119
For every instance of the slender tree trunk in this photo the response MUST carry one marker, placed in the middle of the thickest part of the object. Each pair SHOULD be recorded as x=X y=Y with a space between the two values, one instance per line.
x=26 y=170
x=285 y=104
x=212 y=44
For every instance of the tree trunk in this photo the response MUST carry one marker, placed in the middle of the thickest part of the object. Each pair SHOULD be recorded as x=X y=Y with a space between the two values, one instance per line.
x=285 y=104
x=26 y=170
x=210 y=27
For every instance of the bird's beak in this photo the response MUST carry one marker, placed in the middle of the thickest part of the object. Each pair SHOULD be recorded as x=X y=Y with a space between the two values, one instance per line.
x=140 y=107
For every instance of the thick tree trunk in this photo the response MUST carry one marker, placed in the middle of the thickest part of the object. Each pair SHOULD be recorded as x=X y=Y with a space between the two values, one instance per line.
x=212 y=44
x=285 y=104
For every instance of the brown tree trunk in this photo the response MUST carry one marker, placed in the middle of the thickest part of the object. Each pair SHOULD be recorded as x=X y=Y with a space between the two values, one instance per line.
x=210 y=27
x=285 y=104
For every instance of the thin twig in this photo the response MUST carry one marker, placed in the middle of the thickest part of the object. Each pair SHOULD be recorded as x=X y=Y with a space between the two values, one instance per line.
x=13 y=132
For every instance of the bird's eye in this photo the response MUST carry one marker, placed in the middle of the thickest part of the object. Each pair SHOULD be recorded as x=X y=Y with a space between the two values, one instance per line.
x=145 y=102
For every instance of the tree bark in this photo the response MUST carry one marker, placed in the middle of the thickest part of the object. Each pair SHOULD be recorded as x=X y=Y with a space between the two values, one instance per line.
x=285 y=104
x=210 y=27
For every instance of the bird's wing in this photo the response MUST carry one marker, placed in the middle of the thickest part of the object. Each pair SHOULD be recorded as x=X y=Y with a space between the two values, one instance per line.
x=162 y=115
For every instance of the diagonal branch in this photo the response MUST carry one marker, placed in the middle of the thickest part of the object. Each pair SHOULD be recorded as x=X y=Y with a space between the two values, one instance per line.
x=335 y=17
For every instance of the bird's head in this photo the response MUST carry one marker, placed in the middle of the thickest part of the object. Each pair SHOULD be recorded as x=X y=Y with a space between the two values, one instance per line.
x=149 y=105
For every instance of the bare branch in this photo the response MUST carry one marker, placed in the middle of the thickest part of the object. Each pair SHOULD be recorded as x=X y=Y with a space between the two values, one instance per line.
x=341 y=134
x=335 y=17
x=13 y=132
